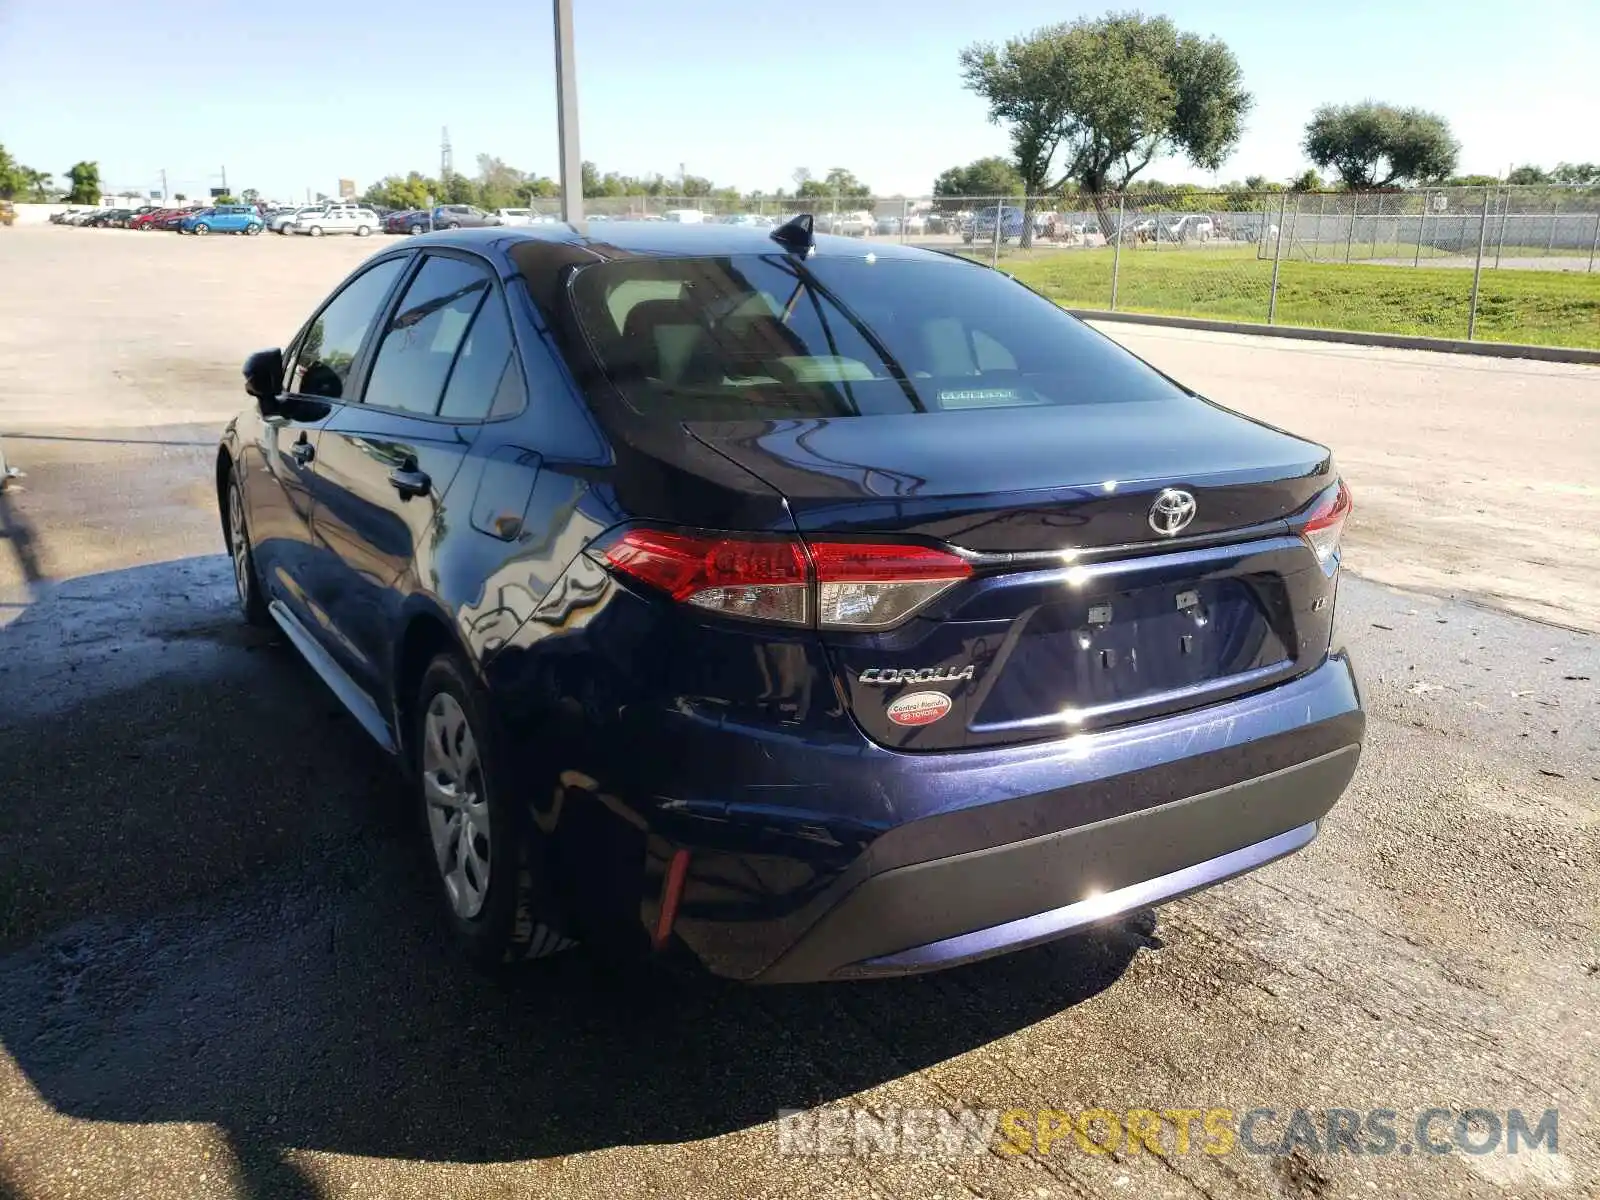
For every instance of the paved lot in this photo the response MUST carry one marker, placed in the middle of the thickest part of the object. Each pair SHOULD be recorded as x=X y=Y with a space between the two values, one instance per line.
x=218 y=975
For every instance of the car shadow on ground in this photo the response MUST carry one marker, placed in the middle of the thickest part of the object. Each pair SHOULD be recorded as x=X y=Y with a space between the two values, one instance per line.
x=216 y=909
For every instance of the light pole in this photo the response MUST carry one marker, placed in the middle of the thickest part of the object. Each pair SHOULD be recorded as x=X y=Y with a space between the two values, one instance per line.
x=567 y=117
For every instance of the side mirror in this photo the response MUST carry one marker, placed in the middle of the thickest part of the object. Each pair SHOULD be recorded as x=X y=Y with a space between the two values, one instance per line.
x=263 y=374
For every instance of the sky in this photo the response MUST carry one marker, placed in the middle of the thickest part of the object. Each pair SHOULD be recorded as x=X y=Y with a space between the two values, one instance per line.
x=286 y=99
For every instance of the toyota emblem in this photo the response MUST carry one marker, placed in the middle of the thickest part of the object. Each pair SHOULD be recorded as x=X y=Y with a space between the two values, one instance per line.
x=1172 y=511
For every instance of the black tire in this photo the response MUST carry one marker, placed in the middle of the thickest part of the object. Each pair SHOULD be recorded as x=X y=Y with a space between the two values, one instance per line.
x=246 y=581
x=507 y=929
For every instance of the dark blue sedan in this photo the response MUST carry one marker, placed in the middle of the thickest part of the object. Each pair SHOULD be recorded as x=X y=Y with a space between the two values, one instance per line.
x=828 y=610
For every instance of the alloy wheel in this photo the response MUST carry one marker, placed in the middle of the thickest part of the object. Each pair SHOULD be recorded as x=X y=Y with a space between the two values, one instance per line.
x=239 y=544
x=458 y=807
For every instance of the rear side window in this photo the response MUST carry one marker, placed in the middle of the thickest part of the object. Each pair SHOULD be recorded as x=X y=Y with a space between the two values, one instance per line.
x=328 y=349
x=428 y=327
x=486 y=381
x=773 y=336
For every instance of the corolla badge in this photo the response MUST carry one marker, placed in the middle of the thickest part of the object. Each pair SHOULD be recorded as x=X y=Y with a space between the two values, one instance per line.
x=887 y=675
x=1172 y=511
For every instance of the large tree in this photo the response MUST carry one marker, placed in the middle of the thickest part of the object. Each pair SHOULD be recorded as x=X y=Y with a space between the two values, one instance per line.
x=1111 y=93
x=85 y=180
x=838 y=184
x=986 y=178
x=1374 y=145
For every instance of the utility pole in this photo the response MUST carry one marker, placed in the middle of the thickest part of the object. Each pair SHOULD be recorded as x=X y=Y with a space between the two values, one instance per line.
x=165 y=198
x=224 y=179
x=446 y=158
x=567 y=116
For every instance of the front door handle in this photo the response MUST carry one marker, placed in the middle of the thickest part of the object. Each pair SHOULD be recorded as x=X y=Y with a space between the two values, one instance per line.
x=302 y=451
x=409 y=481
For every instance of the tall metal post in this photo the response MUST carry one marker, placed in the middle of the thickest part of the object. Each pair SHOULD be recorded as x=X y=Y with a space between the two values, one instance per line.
x=567 y=117
x=1555 y=216
x=1594 y=245
x=1277 y=258
x=1422 y=227
x=1505 y=215
x=994 y=260
x=1355 y=203
x=1116 y=250
x=1477 y=269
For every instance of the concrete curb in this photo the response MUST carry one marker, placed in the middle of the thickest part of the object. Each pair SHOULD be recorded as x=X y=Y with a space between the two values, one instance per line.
x=1394 y=341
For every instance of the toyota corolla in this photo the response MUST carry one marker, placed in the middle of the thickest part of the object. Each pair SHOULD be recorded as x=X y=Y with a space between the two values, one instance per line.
x=822 y=610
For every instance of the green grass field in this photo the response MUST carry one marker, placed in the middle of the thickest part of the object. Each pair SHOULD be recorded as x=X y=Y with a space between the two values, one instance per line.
x=1545 y=308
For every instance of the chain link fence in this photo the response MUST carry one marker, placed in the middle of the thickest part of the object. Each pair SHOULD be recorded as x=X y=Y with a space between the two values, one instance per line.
x=1500 y=263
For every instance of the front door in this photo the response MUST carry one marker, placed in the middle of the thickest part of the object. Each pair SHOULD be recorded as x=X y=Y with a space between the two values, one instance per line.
x=385 y=465
x=280 y=469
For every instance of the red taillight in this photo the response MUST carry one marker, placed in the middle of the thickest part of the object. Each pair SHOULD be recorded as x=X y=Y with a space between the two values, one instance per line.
x=1325 y=525
x=864 y=585
x=763 y=579
x=855 y=585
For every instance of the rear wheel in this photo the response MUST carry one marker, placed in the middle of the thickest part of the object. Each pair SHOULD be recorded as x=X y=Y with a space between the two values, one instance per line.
x=481 y=842
x=202 y=229
x=315 y=231
x=415 y=229
x=252 y=230
x=363 y=230
x=453 y=225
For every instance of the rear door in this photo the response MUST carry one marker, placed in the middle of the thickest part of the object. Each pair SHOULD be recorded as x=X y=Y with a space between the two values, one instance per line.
x=386 y=465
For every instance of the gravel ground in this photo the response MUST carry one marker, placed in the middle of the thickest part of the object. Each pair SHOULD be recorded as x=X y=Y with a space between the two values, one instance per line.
x=219 y=976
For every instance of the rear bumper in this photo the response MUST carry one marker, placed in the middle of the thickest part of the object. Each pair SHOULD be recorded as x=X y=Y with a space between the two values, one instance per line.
x=985 y=902
x=986 y=852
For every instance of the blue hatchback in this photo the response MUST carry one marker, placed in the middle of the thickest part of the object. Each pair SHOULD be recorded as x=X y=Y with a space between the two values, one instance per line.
x=825 y=611
x=224 y=218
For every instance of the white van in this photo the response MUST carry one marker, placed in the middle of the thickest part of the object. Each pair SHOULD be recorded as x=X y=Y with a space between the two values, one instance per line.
x=685 y=216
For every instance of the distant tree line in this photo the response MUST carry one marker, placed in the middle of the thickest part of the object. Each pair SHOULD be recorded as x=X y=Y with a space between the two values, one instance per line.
x=497 y=184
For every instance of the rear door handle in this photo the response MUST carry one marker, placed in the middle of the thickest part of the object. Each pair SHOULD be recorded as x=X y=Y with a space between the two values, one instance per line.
x=409 y=482
x=302 y=452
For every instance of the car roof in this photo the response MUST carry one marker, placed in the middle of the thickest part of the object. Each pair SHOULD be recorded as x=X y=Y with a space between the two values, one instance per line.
x=615 y=239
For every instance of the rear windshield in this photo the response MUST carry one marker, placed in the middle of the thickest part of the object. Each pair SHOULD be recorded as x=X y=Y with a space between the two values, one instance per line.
x=770 y=336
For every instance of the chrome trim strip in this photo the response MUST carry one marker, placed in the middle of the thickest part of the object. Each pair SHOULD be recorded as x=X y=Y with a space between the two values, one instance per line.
x=361 y=706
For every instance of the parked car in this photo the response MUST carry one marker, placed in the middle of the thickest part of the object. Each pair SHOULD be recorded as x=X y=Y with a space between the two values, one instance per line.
x=981 y=227
x=84 y=217
x=337 y=218
x=110 y=218
x=173 y=220
x=281 y=220
x=684 y=216
x=410 y=221
x=515 y=216
x=223 y=218
x=462 y=216
x=861 y=738
x=918 y=222
x=152 y=219
x=887 y=224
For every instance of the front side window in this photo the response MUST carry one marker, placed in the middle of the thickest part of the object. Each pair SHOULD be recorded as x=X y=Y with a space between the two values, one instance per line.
x=773 y=336
x=328 y=349
x=422 y=338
